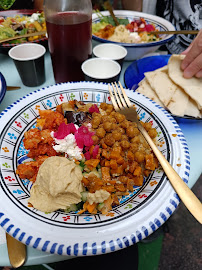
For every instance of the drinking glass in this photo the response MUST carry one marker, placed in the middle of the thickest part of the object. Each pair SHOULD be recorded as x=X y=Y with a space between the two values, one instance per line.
x=69 y=28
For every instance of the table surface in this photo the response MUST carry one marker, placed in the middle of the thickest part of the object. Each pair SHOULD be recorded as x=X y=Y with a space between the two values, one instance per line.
x=192 y=130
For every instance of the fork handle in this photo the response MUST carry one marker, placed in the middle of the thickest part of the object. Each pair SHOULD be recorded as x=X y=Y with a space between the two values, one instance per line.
x=186 y=195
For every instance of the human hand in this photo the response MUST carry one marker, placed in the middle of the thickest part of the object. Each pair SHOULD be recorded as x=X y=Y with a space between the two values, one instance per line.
x=192 y=63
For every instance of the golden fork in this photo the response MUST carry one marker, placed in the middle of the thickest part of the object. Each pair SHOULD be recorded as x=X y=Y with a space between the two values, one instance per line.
x=123 y=105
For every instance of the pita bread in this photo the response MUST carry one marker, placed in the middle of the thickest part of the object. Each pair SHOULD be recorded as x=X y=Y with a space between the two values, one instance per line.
x=162 y=85
x=192 y=109
x=146 y=90
x=192 y=86
x=178 y=103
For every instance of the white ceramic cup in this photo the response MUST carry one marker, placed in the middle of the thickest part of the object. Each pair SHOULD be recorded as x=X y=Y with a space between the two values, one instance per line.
x=110 y=51
x=101 y=69
x=29 y=61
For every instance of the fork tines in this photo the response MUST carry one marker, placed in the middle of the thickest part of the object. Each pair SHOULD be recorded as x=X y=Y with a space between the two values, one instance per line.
x=119 y=97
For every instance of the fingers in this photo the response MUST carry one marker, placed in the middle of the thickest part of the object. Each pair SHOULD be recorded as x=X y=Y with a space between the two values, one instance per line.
x=199 y=74
x=192 y=63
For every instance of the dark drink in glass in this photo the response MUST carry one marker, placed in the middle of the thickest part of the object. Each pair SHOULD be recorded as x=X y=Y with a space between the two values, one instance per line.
x=69 y=40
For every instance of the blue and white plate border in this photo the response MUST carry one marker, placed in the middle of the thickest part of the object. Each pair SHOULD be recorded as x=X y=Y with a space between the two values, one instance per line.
x=107 y=238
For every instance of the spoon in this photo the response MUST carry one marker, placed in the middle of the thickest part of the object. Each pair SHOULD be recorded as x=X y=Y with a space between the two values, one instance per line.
x=16 y=251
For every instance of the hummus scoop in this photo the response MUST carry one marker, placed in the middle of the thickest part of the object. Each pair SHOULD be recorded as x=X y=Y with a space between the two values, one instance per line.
x=58 y=185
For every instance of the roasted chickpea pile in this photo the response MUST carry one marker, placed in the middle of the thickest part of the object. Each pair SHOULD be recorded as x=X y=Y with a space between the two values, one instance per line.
x=125 y=156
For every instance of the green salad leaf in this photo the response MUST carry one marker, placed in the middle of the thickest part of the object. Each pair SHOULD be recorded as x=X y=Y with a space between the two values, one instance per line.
x=6 y=4
x=6 y=32
x=109 y=19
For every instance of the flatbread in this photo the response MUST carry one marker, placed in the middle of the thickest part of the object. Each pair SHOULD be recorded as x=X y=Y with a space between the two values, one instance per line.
x=192 y=86
x=179 y=102
x=192 y=109
x=146 y=90
x=162 y=85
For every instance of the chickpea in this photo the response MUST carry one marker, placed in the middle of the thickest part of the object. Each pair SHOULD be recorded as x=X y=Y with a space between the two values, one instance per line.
x=103 y=106
x=119 y=117
x=109 y=108
x=107 y=126
x=96 y=121
x=100 y=132
x=133 y=147
x=109 y=140
x=133 y=124
x=116 y=135
x=125 y=124
x=95 y=139
x=124 y=137
x=108 y=118
x=152 y=133
x=112 y=113
x=125 y=144
x=147 y=126
x=116 y=144
x=139 y=157
x=97 y=115
x=132 y=131
x=114 y=126
x=136 y=139
x=120 y=130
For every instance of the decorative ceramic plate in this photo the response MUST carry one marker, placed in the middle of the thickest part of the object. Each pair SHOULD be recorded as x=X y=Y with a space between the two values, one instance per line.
x=2 y=87
x=135 y=73
x=4 y=47
x=138 y=215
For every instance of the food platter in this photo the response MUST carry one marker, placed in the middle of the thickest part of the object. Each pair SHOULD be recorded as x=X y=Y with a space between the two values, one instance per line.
x=2 y=87
x=137 y=50
x=135 y=73
x=4 y=47
x=139 y=214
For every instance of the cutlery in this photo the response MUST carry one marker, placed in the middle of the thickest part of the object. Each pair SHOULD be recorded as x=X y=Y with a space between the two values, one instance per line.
x=8 y=88
x=123 y=105
x=16 y=251
x=23 y=36
x=185 y=32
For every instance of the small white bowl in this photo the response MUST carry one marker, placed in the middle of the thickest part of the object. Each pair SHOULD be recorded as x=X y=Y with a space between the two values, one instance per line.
x=110 y=51
x=137 y=50
x=101 y=69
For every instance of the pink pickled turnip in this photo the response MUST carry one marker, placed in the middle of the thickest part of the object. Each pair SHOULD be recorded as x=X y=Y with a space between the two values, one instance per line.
x=87 y=155
x=95 y=151
x=71 y=128
x=62 y=131
x=79 y=140
x=94 y=108
x=149 y=27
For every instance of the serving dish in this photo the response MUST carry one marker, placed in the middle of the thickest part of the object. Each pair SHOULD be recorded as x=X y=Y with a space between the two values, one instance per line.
x=2 y=87
x=135 y=73
x=4 y=47
x=139 y=214
x=137 y=50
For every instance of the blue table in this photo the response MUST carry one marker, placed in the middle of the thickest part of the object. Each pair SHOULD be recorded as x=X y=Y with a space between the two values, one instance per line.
x=191 y=129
